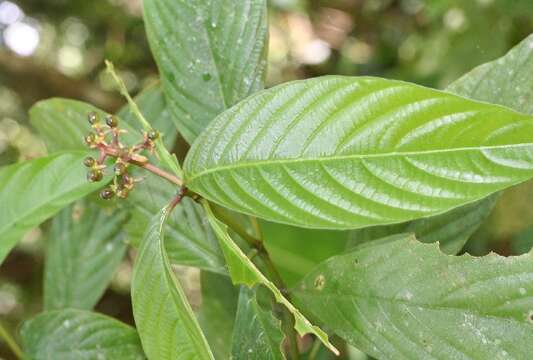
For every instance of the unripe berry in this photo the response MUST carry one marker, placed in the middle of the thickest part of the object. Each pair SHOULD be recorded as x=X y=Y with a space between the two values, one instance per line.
x=95 y=175
x=107 y=194
x=92 y=117
x=89 y=161
x=153 y=135
x=90 y=139
x=120 y=168
x=111 y=121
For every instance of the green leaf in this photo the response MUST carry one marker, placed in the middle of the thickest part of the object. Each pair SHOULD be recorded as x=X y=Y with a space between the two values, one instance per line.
x=154 y=107
x=506 y=81
x=189 y=239
x=217 y=313
x=343 y=152
x=35 y=190
x=83 y=250
x=401 y=299
x=296 y=251
x=452 y=229
x=63 y=124
x=257 y=333
x=79 y=335
x=164 y=318
x=243 y=271
x=211 y=54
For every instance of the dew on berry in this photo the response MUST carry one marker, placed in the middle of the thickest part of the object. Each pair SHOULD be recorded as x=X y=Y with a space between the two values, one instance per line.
x=107 y=194
x=111 y=121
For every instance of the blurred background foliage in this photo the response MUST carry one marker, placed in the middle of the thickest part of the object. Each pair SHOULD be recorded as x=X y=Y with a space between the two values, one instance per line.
x=52 y=48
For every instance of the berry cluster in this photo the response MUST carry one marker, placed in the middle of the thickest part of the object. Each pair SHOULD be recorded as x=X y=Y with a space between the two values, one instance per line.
x=106 y=139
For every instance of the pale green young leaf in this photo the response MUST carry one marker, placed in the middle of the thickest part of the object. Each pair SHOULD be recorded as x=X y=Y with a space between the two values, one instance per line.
x=33 y=191
x=257 y=333
x=347 y=152
x=217 y=312
x=165 y=321
x=189 y=240
x=211 y=54
x=84 y=247
x=400 y=299
x=79 y=335
x=243 y=271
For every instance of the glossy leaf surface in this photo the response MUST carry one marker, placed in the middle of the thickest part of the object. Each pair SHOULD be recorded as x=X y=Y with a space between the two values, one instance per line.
x=243 y=271
x=189 y=239
x=84 y=247
x=165 y=321
x=79 y=335
x=36 y=190
x=210 y=54
x=257 y=333
x=400 y=299
x=342 y=152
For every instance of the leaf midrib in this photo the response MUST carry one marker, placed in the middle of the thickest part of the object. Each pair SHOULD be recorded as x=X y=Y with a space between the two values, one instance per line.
x=273 y=162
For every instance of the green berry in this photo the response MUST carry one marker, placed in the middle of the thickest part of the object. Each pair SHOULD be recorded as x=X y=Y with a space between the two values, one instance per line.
x=111 y=121
x=93 y=118
x=107 y=194
x=90 y=139
x=153 y=135
x=120 y=168
x=89 y=161
x=95 y=175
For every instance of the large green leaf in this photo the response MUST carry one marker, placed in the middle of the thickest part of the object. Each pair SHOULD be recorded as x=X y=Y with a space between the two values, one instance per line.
x=401 y=299
x=79 y=335
x=189 y=239
x=33 y=191
x=164 y=318
x=243 y=271
x=257 y=333
x=452 y=229
x=84 y=247
x=211 y=54
x=344 y=152
x=217 y=312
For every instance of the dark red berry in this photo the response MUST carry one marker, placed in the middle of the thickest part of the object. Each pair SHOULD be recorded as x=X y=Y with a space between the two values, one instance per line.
x=120 y=168
x=92 y=117
x=107 y=194
x=95 y=175
x=89 y=161
x=153 y=135
x=111 y=121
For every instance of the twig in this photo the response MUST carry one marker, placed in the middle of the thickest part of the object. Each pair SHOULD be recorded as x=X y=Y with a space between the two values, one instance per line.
x=11 y=343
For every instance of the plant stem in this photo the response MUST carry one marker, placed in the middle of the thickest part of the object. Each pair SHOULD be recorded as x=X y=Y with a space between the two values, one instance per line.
x=162 y=173
x=235 y=226
x=142 y=161
x=11 y=343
